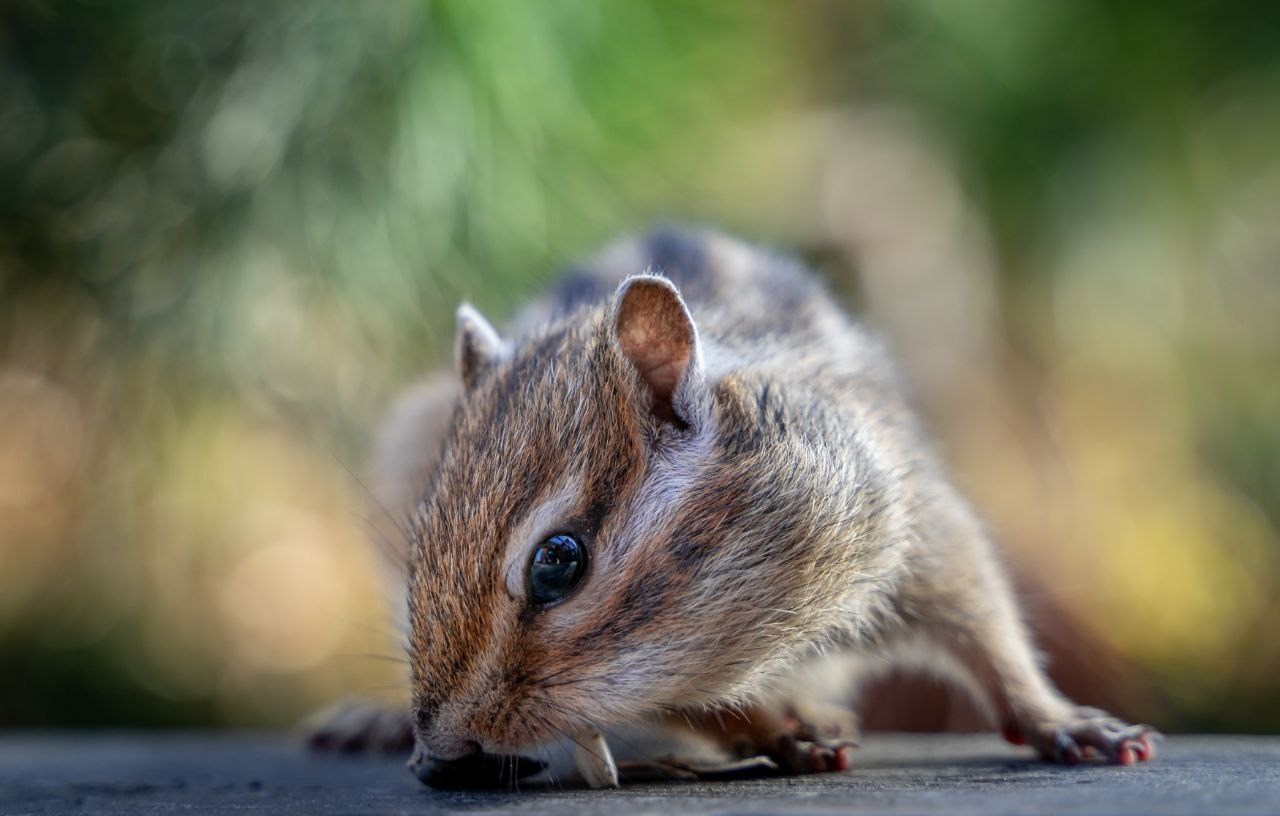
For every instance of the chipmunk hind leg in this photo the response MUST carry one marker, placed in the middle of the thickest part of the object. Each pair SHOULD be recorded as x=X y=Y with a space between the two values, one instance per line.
x=958 y=605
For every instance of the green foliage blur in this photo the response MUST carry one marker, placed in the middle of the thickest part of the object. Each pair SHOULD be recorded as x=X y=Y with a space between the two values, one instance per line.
x=230 y=232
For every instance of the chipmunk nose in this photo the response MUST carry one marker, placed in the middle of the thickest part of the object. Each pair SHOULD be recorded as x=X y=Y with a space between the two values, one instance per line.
x=446 y=755
x=444 y=747
x=473 y=770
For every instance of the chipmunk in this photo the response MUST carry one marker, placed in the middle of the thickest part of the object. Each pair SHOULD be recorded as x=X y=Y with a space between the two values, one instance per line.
x=685 y=490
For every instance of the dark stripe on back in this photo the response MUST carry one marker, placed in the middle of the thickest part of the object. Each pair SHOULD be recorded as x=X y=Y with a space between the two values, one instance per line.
x=578 y=289
x=681 y=255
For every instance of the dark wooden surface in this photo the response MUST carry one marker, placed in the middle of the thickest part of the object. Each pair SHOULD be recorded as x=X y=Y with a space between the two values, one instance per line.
x=956 y=774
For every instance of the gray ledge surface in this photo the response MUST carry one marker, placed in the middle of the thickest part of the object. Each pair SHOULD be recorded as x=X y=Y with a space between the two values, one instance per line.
x=953 y=774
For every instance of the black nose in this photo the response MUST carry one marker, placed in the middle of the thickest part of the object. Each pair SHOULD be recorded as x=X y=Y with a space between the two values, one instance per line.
x=472 y=771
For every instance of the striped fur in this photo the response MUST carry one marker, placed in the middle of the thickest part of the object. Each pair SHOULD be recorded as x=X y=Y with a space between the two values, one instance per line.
x=790 y=509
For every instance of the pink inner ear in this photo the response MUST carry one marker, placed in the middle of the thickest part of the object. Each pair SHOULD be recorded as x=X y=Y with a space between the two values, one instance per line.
x=655 y=333
x=660 y=361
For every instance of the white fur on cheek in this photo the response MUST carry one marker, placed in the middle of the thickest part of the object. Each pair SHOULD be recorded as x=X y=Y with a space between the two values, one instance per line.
x=672 y=473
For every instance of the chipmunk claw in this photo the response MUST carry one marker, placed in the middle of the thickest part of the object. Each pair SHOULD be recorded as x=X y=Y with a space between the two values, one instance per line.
x=1089 y=734
x=818 y=755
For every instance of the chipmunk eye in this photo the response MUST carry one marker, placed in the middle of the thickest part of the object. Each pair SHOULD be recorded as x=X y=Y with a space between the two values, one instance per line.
x=557 y=567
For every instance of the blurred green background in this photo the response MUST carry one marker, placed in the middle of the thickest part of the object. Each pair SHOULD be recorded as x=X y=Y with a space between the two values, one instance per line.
x=230 y=232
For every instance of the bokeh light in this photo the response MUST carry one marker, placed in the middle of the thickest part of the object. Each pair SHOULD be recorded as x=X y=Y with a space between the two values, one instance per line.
x=230 y=233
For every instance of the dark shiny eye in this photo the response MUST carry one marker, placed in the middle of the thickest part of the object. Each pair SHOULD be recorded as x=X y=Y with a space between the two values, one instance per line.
x=557 y=567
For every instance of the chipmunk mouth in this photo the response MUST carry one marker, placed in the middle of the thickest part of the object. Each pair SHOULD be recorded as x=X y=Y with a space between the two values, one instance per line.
x=474 y=771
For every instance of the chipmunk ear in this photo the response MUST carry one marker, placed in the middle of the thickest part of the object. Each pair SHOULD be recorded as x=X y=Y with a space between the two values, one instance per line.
x=476 y=347
x=656 y=334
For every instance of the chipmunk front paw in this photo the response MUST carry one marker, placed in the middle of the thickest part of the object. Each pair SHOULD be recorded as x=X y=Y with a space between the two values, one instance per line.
x=814 y=739
x=817 y=755
x=1087 y=734
x=354 y=726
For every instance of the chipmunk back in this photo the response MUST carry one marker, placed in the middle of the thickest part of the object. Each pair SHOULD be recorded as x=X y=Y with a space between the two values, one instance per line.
x=685 y=488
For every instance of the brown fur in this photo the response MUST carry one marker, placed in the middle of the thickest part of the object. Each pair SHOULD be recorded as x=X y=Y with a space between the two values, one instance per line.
x=755 y=493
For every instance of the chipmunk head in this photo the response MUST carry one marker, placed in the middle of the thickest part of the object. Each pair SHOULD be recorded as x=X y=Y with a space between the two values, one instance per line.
x=590 y=550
